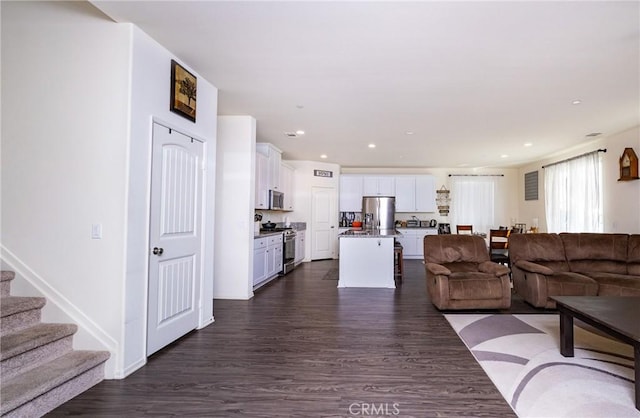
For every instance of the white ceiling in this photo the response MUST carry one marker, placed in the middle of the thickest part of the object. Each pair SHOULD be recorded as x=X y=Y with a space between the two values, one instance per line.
x=473 y=80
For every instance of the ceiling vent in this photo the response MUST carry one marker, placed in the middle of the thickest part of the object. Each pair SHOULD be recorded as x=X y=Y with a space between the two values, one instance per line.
x=291 y=134
x=594 y=134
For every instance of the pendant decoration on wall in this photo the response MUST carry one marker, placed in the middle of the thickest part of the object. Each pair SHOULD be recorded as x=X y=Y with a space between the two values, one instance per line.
x=628 y=165
x=443 y=200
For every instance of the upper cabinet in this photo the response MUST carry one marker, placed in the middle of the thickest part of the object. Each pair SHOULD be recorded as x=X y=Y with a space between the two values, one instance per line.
x=406 y=194
x=425 y=193
x=286 y=184
x=274 y=156
x=350 y=193
x=379 y=186
x=262 y=188
x=416 y=193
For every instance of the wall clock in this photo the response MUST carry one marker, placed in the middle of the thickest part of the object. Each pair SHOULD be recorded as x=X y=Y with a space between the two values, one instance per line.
x=628 y=165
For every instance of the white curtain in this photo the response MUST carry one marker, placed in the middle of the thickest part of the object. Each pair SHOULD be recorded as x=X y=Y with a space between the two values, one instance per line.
x=573 y=195
x=473 y=202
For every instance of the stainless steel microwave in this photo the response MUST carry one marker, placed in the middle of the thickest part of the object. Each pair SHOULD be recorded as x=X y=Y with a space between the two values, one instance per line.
x=276 y=200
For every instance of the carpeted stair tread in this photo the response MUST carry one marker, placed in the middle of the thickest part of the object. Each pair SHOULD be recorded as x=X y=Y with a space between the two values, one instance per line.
x=7 y=275
x=33 y=337
x=12 y=305
x=27 y=386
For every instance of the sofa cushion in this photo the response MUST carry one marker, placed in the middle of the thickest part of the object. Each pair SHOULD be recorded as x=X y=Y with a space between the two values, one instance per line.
x=571 y=284
x=591 y=252
x=474 y=285
x=443 y=249
x=543 y=249
x=633 y=255
x=610 y=284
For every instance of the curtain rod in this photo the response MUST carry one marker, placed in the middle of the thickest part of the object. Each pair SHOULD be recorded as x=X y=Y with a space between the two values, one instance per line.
x=476 y=175
x=577 y=156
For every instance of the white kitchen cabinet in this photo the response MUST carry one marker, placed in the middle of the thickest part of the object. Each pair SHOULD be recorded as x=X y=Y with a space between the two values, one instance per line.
x=405 y=194
x=412 y=241
x=350 y=193
x=426 y=193
x=274 y=156
x=415 y=193
x=300 y=246
x=259 y=260
x=378 y=186
x=267 y=258
x=262 y=187
x=286 y=185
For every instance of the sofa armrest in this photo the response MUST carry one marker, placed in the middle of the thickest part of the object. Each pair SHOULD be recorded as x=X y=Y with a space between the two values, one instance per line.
x=491 y=267
x=437 y=269
x=533 y=267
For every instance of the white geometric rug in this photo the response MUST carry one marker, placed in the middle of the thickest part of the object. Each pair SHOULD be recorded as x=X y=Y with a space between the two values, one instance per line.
x=521 y=355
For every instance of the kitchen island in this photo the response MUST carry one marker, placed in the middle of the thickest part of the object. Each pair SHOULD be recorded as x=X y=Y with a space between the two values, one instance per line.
x=366 y=258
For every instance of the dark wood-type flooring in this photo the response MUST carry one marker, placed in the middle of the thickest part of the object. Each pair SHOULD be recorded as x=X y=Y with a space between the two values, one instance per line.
x=301 y=347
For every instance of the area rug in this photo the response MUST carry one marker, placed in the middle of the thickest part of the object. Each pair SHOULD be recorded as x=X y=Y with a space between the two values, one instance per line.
x=521 y=355
x=332 y=274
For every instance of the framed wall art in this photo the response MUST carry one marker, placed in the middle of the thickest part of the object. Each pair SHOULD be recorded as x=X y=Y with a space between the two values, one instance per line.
x=184 y=87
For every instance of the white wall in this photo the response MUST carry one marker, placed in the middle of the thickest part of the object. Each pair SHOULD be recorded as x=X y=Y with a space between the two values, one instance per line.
x=150 y=97
x=65 y=71
x=76 y=151
x=234 y=207
x=621 y=198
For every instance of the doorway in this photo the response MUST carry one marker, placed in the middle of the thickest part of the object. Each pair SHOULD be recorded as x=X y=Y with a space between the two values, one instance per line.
x=174 y=236
x=323 y=223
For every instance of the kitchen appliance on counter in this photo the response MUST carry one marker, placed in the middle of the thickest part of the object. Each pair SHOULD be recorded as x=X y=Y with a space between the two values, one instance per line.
x=444 y=229
x=379 y=212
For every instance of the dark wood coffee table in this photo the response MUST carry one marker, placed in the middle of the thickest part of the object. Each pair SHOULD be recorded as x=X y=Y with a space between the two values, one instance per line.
x=618 y=316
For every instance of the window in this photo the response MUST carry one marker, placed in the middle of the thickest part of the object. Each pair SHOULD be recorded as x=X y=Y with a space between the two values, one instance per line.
x=473 y=201
x=573 y=194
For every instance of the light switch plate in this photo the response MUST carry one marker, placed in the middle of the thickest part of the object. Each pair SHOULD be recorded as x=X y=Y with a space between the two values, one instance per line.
x=96 y=231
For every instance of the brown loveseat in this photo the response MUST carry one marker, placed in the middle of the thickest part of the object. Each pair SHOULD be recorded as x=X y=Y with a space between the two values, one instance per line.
x=461 y=276
x=574 y=264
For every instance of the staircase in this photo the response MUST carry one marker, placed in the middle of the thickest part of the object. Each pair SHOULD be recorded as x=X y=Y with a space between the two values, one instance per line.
x=38 y=366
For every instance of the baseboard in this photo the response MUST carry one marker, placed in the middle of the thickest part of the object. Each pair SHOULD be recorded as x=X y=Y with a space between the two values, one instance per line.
x=101 y=339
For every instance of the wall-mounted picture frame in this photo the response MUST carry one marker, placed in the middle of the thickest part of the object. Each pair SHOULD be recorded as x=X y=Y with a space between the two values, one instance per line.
x=184 y=88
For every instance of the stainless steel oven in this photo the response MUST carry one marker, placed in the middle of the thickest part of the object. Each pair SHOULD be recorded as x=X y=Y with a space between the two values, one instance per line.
x=289 y=253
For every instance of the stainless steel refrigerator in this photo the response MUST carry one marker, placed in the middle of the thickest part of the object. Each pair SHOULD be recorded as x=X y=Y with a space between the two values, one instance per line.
x=378 y=212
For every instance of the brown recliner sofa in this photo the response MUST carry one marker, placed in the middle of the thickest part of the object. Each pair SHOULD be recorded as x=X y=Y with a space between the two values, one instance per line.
x=574 y=264
x=460 y=274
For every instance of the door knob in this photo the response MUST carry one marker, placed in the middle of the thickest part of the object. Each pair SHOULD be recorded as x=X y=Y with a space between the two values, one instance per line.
x=158 y=251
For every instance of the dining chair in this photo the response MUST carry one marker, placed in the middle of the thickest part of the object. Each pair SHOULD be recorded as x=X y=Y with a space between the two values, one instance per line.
x=464 y=229
x=499 y=246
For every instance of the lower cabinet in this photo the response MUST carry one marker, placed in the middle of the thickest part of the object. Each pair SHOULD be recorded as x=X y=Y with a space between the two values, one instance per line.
x=267 y=258
x=412 y=241
x=300 y=246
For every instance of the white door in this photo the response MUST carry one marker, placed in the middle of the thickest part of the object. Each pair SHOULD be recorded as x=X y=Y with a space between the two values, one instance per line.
x=175 y=237
x=323 y=223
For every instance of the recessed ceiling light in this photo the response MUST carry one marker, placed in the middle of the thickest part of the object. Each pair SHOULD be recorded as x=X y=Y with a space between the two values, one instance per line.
x=299 y=132
x=323 y=156
x=408 y=133
x=528 y=144
x=372 y=145
x=576 y=102
x=504 y=156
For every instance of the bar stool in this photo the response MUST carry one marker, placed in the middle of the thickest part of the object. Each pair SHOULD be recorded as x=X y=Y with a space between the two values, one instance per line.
x=397 y=260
